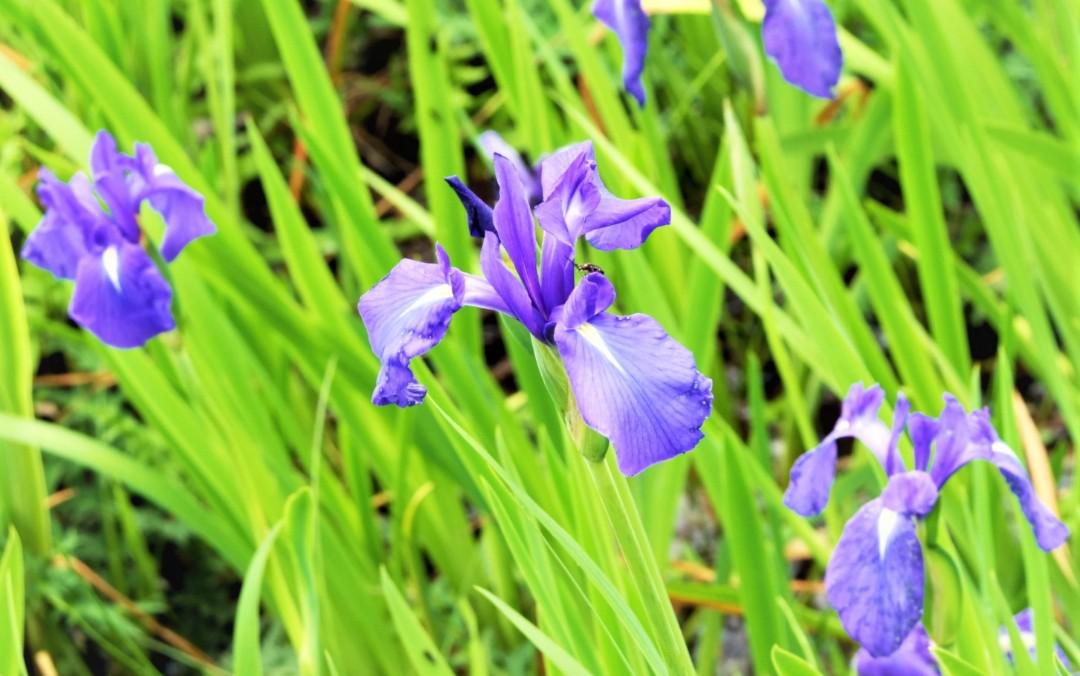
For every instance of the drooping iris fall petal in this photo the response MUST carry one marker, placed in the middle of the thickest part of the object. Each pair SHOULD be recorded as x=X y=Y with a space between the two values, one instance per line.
x=874 y=579
x=633 y=382
x=121 y=297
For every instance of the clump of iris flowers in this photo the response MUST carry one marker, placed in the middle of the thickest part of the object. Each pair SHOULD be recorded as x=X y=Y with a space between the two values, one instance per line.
x=631 y=382
x=874 y=579
x=799 y=36
x=90 y=234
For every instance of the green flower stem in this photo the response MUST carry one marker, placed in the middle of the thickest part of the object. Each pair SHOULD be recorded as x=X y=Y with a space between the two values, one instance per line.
x=644 y=571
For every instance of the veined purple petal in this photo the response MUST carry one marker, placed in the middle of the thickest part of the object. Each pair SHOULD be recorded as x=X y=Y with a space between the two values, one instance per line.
x=800 y=36
x=923 y=430
x=514 y=225
x=121 y=297
x=874 y=579
x=1049 y=531
x=553 y=166
x=953 y=447
x=962 y=438
x=509 y=287
x=859 y=419
x=893 y=462
x=1025 y=623
x=811 y=479
x=812 y=474
x=181 y=208
x=556 y=271
x=912 y=658
x=110 y=168
x=625 y=224
x=406 y=314
x=480 y=293
x=477 y=211
x=633 y=382
x=66 y=232
x=631 y=25
x=578 y=204
x=493 y=144
x=910 y=493
x=565 y=212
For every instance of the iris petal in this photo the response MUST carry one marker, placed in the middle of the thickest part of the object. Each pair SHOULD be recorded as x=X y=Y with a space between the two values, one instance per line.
x=1049 y=531
x=182 y=209
x=514 y=225
x=874 y=579
x=406 y=314
x=493 y=144
x=912 y=658
x=66 y=231
x=811 y=479
x=508 y=287
x=631 y=25
x=812 y=474
x=800 y=36
x=633 y=382
x=477 y=211
x=121 y=297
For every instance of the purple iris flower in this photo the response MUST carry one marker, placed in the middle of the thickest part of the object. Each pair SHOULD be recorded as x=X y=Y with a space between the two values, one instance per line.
x=631 y=26
x=875 y=576
x=1025 y=623
x=631 y=381
x=912 y=658
x=800 y=36
x=120 y=295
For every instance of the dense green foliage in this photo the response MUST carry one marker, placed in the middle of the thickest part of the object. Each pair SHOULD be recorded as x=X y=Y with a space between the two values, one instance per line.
x=233 y=480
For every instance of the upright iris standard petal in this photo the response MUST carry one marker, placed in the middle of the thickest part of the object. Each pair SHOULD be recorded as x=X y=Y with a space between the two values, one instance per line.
x=477 y=211
x=553 y=166
x=631 y=25
x=121 y=297
x=893 y=462
x=812 y=474
x=509 y=288
x=875 y=578
x=514 y=225
x=110 y=169
x=493 y=144
x=65 y=234
x=633 y=383
x=800 y=36
x=576 y=203
x=407 y=314
x=556 y=271
x=922 y=429
x=182 y=209
x=912 y=658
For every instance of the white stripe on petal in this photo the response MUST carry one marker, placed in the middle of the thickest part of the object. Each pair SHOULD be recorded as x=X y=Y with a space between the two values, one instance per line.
x=110 y=260
x=436 y=294
x=887 y=522
x=593 y=337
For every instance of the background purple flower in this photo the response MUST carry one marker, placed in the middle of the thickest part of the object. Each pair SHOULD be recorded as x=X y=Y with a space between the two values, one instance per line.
x=631 y=25
x=800 y=36
x=874 y=579
x=120 y=295
x=632 y=382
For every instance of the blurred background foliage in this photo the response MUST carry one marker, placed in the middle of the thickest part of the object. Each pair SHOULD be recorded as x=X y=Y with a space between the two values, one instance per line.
x=919 y=231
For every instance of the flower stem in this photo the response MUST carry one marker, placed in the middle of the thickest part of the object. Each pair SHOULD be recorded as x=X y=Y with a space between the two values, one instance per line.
x=643 y=568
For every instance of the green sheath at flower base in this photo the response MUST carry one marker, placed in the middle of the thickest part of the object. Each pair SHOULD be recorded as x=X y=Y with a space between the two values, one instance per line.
x=592 y=445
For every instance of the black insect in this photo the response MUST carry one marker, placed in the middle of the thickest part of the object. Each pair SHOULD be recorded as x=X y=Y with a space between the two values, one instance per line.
x=589 y=267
